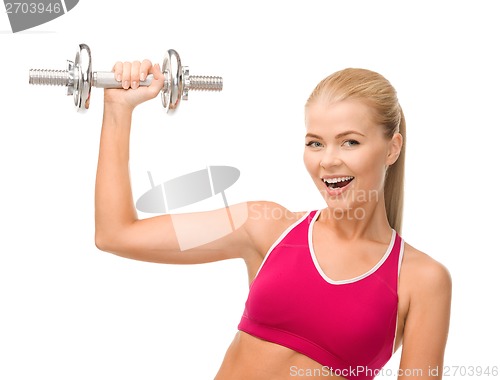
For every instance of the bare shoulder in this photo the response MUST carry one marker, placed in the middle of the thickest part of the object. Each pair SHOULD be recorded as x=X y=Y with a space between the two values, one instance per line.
x=420 y=266
x=266 y=222
x=423 y=275
x=271 y=211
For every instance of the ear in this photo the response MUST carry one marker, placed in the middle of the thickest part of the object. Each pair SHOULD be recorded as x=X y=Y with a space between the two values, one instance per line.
x=394 y=150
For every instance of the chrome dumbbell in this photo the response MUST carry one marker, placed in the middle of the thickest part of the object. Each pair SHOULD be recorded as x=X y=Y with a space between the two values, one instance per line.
x=79 y=79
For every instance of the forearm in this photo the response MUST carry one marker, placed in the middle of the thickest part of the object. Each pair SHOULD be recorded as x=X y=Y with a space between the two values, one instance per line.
x=114 y=207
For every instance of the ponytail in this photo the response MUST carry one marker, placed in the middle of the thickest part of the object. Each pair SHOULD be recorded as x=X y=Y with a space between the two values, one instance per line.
x=394 y=185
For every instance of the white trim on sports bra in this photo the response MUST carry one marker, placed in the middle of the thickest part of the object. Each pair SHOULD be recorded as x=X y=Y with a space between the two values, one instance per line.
x=281 y=237
x=351 y=280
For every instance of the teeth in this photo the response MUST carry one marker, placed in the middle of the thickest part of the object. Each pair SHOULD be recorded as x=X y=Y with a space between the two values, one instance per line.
x=336 y=180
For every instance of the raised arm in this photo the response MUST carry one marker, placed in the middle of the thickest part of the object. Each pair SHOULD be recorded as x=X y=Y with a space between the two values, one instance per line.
x=239 y=231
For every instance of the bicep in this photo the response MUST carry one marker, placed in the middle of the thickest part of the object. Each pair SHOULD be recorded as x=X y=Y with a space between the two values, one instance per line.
x=427 y=324
x=189 y=238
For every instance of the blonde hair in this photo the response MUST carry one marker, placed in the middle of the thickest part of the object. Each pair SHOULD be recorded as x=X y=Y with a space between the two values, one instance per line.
x=375 y=91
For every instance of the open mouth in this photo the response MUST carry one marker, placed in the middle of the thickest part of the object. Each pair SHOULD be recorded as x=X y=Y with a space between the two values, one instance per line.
x=337 y=183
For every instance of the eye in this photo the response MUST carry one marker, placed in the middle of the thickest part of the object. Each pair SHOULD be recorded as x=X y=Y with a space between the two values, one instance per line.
x=350 y=143
x=314 y=144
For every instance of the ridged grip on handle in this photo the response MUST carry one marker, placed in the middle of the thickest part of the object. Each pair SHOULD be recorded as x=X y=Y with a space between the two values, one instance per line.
x=49 y=77
x=106 y=79
x=205 y=83
x=103 y=79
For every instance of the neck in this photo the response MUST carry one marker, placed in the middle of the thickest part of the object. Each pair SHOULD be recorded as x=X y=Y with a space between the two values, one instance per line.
x=366 y=220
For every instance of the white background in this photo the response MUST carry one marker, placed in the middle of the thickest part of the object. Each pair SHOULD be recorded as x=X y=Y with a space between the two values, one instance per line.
x=69 y=311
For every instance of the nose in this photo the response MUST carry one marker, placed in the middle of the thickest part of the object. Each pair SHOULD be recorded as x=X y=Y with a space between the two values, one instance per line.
x=330 y=159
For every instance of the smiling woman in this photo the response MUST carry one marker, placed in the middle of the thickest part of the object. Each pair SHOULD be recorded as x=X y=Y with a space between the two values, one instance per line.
x=331 y=289
x=344 y=135
x=364 y=99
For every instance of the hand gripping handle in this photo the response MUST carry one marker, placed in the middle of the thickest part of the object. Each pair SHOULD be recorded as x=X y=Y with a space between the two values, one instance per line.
x=106 y=79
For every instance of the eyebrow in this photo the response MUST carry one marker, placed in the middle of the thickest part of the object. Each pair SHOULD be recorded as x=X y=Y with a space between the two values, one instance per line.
x=339 y=136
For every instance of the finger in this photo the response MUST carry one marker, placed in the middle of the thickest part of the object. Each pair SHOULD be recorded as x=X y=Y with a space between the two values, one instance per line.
x=134 y=74
x=118 y=70
x=158 y=79
x=156 y=71
x=126 y=75
x=144 y=70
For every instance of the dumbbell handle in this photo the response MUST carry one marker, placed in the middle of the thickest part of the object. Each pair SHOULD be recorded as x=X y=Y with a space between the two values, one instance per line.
x=99 y=79
x=106 y=79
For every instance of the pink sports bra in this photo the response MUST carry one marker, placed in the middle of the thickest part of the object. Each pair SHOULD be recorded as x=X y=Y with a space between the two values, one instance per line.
x=348 y=326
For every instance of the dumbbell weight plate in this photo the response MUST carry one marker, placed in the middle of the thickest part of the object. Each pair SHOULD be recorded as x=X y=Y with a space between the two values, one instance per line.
x=172 y=87
x=172 y=70
x=82 y=78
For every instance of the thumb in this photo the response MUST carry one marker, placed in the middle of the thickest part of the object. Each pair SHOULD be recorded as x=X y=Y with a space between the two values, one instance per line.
x=158 y=80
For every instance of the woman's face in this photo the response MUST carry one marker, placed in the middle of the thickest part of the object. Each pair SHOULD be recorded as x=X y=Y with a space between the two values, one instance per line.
x=347 y=154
